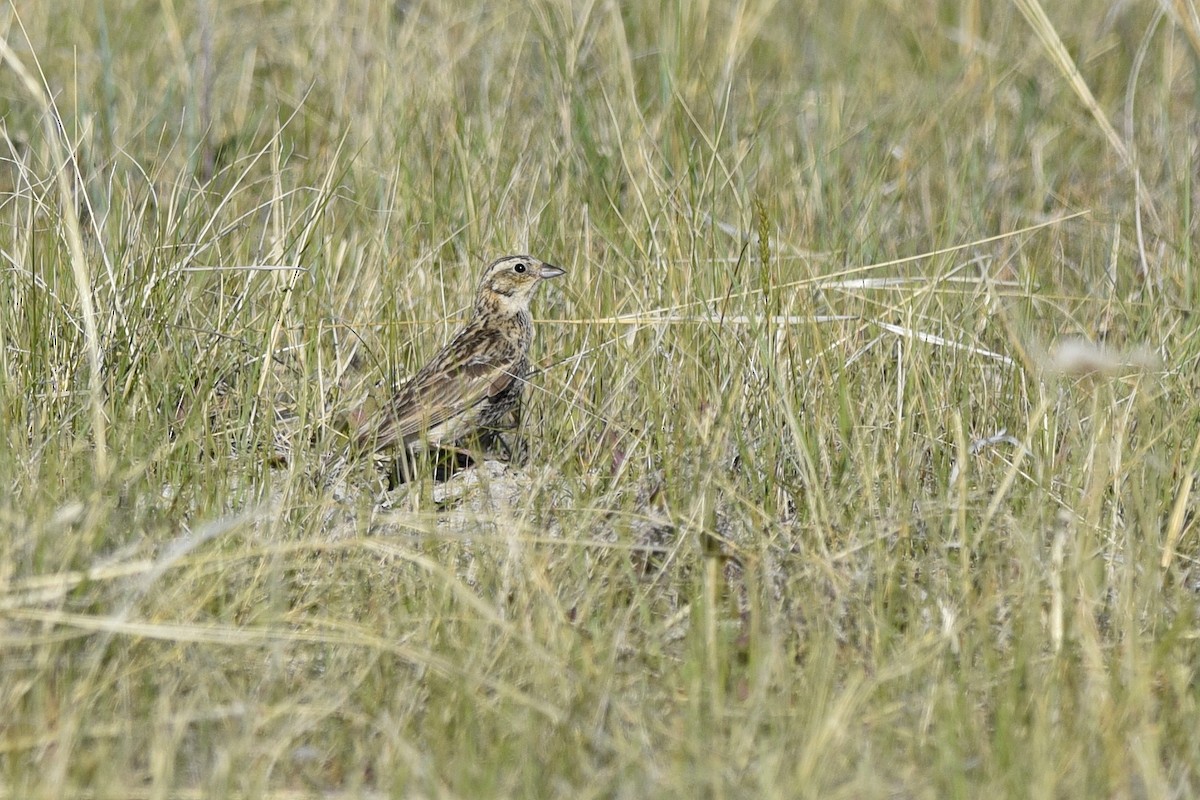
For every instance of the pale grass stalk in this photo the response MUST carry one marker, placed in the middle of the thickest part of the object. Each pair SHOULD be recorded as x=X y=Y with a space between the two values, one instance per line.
x=1044 y=28
x=1177 y=521
x=882 y=264
x=65 y=171
x=1186 y=16
x=343 y=634
x=1013 y=471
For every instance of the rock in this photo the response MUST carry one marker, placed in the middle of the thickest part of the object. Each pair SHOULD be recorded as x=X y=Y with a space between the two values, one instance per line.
x=490 y=486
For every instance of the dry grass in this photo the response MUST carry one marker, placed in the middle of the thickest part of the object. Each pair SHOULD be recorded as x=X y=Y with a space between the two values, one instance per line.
x=862 y=462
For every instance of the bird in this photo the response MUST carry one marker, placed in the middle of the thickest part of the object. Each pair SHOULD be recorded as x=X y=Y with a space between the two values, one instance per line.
x=476 y=380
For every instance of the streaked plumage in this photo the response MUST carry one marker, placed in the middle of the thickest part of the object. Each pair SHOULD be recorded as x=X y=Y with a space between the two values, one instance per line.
x=476 y=380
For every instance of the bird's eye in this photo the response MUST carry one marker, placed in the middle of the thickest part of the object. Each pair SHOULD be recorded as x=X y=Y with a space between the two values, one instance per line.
x=520 y=267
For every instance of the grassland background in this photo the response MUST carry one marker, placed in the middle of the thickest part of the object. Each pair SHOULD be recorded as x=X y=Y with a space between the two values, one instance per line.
x=899 y=556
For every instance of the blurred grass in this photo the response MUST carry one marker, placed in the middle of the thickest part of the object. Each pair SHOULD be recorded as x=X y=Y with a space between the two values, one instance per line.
x=906 y=558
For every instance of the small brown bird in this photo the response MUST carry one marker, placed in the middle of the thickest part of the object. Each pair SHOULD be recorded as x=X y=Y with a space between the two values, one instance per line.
x=476 y=380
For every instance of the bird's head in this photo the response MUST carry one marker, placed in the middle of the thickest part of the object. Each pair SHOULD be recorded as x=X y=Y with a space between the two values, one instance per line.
x=508 y=283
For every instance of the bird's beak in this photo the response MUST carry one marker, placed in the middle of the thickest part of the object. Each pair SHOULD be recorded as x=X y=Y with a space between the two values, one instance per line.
x=551 y=271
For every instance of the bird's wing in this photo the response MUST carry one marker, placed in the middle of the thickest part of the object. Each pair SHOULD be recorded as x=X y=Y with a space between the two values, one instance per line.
x=470 y=370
